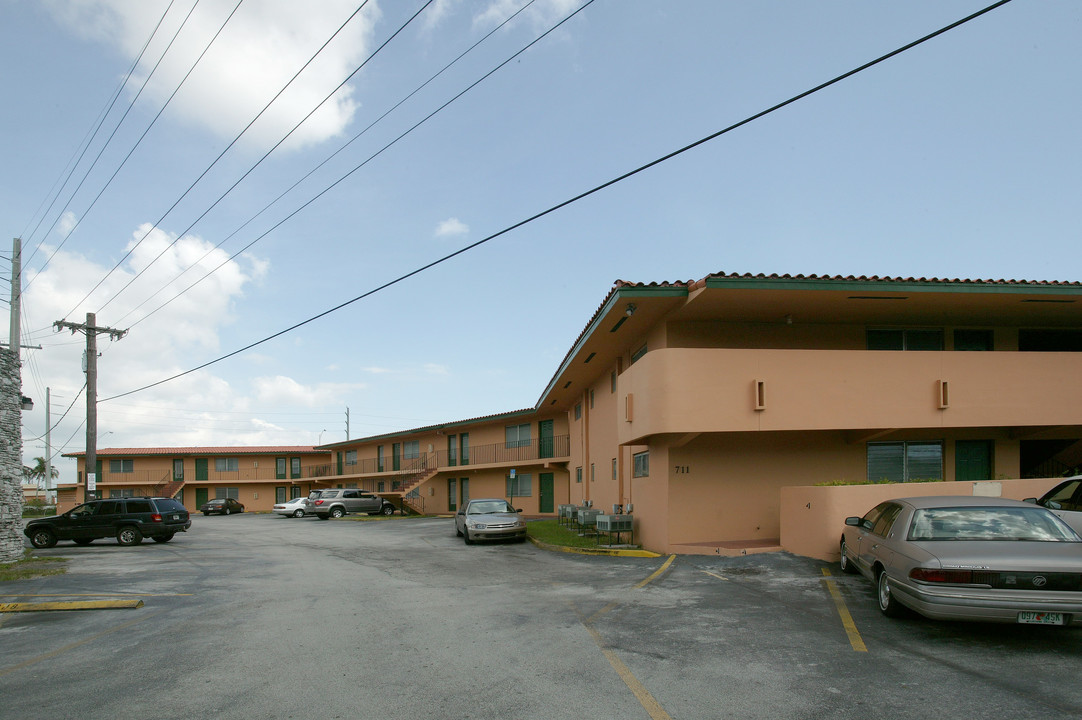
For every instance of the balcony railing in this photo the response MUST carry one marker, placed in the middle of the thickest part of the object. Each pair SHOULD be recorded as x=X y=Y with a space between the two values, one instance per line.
x=558 y=447
x=245 y=475
x=506 y=453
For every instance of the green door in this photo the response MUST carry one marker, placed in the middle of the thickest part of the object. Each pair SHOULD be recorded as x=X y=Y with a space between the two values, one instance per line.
x=201 y=473
x=546 y=491
x=973 y=460
x=544 y=440
x=200 y=497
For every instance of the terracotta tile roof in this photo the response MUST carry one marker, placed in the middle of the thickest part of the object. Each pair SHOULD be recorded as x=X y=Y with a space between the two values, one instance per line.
x=697 y=284
x=877 y=278
x=429 y=428
x=221 y=450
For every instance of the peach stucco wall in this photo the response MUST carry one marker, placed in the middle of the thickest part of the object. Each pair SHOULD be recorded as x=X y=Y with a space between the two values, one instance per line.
x=711 y=390
x=812 y=518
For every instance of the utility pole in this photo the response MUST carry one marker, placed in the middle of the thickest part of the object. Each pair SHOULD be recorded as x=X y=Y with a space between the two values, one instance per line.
x=48 y=445
x=16 y=293
x=92 y=331
x=347 y=423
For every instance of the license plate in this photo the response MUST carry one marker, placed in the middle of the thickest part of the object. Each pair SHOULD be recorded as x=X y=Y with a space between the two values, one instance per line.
x=176 y=517
x=1040 y=618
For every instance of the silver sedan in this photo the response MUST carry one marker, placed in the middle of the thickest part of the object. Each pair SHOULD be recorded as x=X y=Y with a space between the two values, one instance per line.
x=489 y=519
x=292 y=508
x=968 y=558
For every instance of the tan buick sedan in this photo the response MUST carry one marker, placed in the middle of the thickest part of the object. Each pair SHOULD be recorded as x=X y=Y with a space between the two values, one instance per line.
x=968 y=558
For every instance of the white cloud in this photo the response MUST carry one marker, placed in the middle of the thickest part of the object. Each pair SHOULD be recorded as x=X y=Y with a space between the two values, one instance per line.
x=264 y=44
x=67 y=223
x=542 y=13
x=452 y=227
x=280 y=391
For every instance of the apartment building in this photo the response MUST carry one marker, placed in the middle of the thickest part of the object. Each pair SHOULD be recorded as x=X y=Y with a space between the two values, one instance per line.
x=256 y=476
x=521 y=455
x=695 y=402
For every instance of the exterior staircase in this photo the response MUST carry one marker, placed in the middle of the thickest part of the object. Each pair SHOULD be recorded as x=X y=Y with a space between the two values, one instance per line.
x=168 y=488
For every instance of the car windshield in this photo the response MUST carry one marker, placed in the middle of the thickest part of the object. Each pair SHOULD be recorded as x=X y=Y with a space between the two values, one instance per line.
x=989 y=523
x=490 y=506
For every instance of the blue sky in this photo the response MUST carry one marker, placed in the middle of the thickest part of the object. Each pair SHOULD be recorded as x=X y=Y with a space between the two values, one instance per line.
x=958 y=158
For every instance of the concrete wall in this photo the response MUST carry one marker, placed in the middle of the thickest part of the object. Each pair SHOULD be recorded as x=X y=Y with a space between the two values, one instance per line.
x=812 y=518
x=11 y=451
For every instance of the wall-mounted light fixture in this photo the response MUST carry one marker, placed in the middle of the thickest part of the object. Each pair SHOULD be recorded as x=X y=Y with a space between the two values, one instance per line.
x=630 y=309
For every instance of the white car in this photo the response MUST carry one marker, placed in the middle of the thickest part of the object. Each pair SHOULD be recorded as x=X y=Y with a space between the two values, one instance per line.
x=293 y=508
x=1065 y=500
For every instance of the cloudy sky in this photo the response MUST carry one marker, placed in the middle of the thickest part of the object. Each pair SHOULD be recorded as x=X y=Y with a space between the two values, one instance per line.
x=210 y=174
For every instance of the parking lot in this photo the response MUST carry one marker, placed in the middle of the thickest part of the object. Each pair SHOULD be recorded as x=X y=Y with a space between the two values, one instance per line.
x=260 y=615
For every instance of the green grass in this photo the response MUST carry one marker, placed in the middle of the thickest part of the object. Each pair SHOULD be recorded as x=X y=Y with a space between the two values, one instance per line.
x=32 y=567
x=552 y=533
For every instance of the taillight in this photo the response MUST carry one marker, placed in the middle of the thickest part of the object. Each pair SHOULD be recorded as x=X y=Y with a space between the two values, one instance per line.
x=156 y=517
x=318 y=502
x=941 y=576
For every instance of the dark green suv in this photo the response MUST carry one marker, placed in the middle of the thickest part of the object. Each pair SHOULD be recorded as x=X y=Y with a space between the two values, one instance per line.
x=129 y=520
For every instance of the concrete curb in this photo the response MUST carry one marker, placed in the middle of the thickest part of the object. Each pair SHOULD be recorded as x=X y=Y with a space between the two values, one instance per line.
x=611 y=552
x=71 y=605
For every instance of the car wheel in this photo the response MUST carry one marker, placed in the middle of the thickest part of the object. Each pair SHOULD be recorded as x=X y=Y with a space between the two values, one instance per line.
x=387 y=510
x=298 y=513
x=337 y=512
x=163 y=538
x=888 y=604
x=844 y=562
x=227 y=511
x=206 y=513
x=466 y=536
x=84 y=541
x=129 y=535
x=43 y=538
x=458 y=533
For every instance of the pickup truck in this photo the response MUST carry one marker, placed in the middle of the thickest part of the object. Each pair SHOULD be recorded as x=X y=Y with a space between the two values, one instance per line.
x=339 y=502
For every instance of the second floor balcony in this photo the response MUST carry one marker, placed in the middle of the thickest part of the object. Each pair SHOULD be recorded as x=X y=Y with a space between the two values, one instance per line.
x=508 y=454
x=682 y=390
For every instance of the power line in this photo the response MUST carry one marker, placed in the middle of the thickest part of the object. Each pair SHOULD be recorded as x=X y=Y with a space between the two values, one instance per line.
x=583 y=195
x=94 y=163
x=309 y=174
x=268 y=153
x=368 y=160
x=153 y=121
x=220 y=156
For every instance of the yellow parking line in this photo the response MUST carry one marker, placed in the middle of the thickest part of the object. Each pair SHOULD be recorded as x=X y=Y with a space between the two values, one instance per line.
x=663 y=568
x=847 y=620
x=116 y=595
x=653 y=576
x=649 y=702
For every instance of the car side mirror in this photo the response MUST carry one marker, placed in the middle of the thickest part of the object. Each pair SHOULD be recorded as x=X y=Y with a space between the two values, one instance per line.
x=1030 y=500
x=854 y=521
x=518 y=509
x=1053 y=505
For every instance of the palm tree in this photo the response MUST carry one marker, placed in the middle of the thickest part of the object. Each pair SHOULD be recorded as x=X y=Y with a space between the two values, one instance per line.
x=39 y=471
